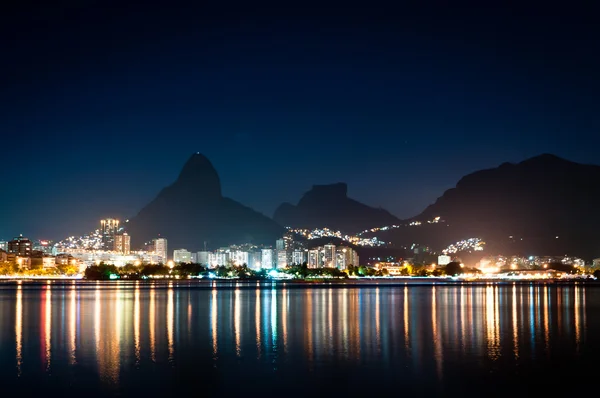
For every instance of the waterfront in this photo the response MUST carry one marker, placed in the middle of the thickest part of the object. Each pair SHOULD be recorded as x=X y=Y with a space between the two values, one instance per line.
x=236 y=338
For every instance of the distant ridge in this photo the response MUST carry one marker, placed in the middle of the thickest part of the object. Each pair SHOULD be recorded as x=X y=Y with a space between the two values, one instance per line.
x=519 y=209
x=329 y=206
x=192 y=210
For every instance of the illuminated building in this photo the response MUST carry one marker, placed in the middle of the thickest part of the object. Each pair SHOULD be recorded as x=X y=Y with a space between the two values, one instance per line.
x=123 y=243
x=3 y=245
x=202 y=257
x=299 y=257
x=218 y=258
x=109 y=228
x=329 y=255
x=182 y=256
x=282 y=261
x=254 y=260
x=315 y=258
x=160 y=249
x=268 y=257
x=20 y=246
x=345 y=256
x=444 y=260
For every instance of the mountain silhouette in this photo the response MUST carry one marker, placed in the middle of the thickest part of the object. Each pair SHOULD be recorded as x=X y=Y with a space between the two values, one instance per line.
x=544 y=205
x=329 y=206
x=192 y=211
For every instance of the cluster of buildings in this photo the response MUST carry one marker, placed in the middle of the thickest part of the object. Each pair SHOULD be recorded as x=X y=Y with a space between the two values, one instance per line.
x=286 y=253
x=110 y=244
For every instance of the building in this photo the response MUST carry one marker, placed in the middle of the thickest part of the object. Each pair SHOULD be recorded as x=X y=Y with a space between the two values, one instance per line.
x=344 y=257
x=254 y=260
x=238 y=257
x=109 y=228
x=202 y=257
x=267 y=258
x=4 y=245
x=299 y=257
x=329 y=256
x=3 y=256
x=444 y=260
x=20 y=246
x=160 y=249
x=182 y=256
x=218 y=258
x=123 y=243
x=315 y=258
x=282 y=258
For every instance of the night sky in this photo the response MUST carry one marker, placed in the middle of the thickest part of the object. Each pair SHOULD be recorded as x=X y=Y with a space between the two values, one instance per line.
x=102 y=102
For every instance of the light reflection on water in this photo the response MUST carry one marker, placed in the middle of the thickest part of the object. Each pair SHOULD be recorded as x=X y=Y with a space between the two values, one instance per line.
x=113 y=330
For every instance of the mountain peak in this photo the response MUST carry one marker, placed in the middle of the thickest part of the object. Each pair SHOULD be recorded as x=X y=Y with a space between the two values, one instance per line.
x=199 y=170
x=329 y=206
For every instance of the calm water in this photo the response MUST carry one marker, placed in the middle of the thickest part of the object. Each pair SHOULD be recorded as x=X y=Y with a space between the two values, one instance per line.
x=109 y=339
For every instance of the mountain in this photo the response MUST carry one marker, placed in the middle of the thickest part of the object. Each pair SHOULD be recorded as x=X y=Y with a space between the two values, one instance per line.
x=192 y=210
x=329 y=206
x=545 y=205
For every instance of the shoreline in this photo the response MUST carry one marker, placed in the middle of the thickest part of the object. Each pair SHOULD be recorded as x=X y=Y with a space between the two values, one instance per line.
x=295 y=283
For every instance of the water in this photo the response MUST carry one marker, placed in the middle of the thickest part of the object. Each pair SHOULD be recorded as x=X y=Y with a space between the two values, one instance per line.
x=158 y=340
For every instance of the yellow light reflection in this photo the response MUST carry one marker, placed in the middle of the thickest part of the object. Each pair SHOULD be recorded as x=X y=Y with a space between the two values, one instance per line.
x=136 y=324
x=19 y=329
x=97 y=321
x=577 y=319
x=152 y=323
x=236 y=321
x=515 y=321
x=491 y=316
x=406 y=336
x=170 y=320
x=546 y=316
x=48 y=327
x=437 y=344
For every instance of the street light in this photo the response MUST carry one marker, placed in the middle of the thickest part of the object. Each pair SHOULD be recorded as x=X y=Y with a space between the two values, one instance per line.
x=171 y=264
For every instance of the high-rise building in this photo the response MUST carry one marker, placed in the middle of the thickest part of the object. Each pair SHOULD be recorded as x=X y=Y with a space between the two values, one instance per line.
x=254 y=259
x=109 y=228
x=3 y=245
x=202 y=258
x=268 y=258
x=315 y=258
x=238 y=257
x=299 y=257
x=329 y=255
x=346 y=256
x=282 y=258
x=20 y=246
x=160 y=249
x=123 y=243
x=182 y=256
x=218 y=258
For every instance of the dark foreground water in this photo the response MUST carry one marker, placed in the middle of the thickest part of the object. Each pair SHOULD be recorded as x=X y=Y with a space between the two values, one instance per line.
x=158 y=340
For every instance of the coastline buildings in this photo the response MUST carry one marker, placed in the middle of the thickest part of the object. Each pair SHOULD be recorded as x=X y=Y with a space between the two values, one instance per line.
x=109 y=228
x=182 y=256
x=123 y=244
x=160 y=249
x=20 y=246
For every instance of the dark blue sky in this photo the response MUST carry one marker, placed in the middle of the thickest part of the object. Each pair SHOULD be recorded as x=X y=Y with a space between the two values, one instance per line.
x=103 y=102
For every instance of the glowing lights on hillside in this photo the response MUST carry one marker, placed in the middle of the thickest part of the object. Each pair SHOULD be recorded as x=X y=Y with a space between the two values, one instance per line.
x=435 y=220
x=328 y=233
x=471 y=244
